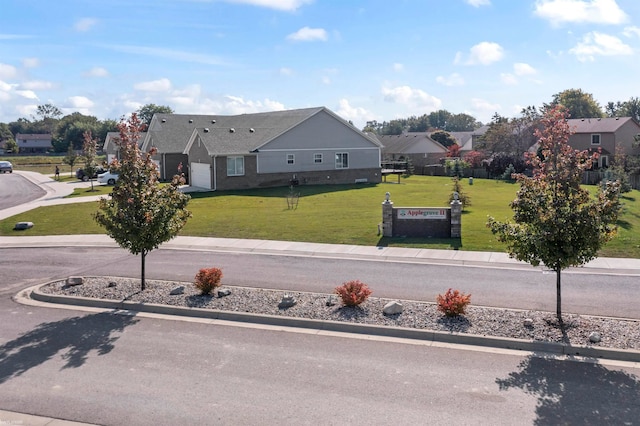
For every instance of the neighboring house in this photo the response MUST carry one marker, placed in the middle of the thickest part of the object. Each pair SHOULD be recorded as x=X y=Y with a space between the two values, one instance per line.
x=467 y=140
x=305 y=146
x=417 y=147
x=604 y=135
x=34 y=142
x=111 y=148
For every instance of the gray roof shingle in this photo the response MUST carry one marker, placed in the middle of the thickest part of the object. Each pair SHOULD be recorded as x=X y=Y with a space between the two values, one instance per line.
x=169 y=133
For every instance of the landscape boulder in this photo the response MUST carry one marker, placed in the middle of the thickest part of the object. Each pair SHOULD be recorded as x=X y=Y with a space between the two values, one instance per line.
x=176 y=291
x=287 y=301
x=392 y=308
x=71 y=281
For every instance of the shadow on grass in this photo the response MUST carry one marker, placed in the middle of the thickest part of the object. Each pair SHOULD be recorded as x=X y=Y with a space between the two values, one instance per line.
x=624 y=224
x=283 y=191
x=74 y=337
x=414 y=242
x=581 y=393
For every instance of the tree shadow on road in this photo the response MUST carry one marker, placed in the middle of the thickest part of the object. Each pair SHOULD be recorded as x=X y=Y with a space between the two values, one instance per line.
x=571 y=392
x=74 y=337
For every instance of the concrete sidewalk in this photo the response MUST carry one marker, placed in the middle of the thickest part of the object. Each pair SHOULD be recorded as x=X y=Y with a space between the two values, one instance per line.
x=55 y=193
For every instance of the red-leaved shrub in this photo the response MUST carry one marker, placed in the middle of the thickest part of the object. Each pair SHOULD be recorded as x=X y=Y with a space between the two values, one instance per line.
x=353 y=292
x=207 y=279
x=453 y=303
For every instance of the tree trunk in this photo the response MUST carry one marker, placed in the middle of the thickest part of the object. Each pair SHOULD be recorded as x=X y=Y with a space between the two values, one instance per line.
x=143 y=255
x=558 y=296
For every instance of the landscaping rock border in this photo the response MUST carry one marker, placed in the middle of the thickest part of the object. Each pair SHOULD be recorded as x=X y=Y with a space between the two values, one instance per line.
x=535 y=327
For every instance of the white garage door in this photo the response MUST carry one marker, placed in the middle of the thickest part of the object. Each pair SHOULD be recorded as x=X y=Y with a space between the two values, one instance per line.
x=200 y=175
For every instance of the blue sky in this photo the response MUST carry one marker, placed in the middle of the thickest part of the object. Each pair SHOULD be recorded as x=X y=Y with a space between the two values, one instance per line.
x=365 y=60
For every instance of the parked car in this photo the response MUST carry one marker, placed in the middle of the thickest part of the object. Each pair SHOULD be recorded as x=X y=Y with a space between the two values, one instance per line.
x=6 y=166
x=80 y=174
x=108 y=178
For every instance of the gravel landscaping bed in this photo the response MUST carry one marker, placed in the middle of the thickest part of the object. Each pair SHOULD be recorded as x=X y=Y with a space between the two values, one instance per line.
x=484 y=321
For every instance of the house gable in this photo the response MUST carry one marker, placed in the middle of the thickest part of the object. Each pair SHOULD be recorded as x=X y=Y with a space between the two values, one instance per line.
x=604 y=134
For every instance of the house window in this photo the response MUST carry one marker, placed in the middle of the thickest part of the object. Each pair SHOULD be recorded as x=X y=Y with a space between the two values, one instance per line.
x=342 y=160
x=604 y=161
x=317 y=158
x=595 y=139
x=291 y=158
x=235 y=166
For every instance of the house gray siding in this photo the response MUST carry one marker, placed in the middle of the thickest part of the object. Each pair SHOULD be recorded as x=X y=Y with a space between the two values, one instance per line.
x=320 y=134
x=169 y=164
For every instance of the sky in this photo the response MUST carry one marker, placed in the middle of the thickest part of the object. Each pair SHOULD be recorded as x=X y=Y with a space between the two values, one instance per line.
x=363 y=59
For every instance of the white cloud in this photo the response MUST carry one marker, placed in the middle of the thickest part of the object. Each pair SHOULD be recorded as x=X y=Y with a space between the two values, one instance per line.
x=28 y=94
x=97 y=72
x=85 y=24
x=326 y=80
x=175 y=55
x=485 y=53
x=30 y=62
x=7 y=71
x=38 y=85
x=161 y=85
x=632 y=31
x=359 y=116
x=285 y=5
x=599 y=44
x=454 y=79
x=80 y=102
x=478 y=3
x=521 y=68
x=308 y=34
x=509 y=79
x=458 y=58
x=408 y=96
x=26 y=110
x=4 y=96
x=5 y=87
x=483 y=108
x=286 y=71
x=14 y=36
x=398 y=67
x=576 y=11
x=238 y=105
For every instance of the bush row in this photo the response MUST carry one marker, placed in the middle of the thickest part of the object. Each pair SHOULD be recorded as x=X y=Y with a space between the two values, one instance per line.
x=352 y=293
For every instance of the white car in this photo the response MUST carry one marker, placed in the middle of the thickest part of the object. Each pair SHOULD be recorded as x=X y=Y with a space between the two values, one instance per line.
x=108 y=178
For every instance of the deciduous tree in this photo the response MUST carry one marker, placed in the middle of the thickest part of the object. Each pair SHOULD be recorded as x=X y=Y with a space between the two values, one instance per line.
x=70 y=158
x=556 y=222
x=141 y=214
x=146 y=112
x=579 y=104
x=89 y=149
x=443 y=138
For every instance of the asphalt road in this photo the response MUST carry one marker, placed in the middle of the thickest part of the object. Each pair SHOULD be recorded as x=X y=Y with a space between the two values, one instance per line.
x=595 y=294
x=120 y=369
x=16 y=190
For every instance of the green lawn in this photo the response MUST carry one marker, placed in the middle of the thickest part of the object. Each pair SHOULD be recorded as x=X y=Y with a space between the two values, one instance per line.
x=345 y=214
x=46 y=164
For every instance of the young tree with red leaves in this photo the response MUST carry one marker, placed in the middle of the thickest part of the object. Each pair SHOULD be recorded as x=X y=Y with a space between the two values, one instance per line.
x=141 y=214
x=557 y=222
x=89 y=148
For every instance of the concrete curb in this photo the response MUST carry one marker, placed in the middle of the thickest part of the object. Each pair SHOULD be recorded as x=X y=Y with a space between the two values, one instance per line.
x=343 y=327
